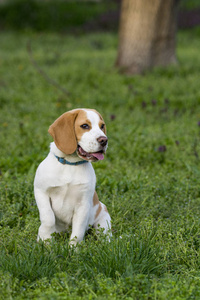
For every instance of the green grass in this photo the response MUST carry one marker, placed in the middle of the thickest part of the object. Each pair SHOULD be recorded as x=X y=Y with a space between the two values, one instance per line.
x=189 y=5
x=149 y=179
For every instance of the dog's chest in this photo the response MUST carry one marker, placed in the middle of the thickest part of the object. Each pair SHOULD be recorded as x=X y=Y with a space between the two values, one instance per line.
x=65 y=200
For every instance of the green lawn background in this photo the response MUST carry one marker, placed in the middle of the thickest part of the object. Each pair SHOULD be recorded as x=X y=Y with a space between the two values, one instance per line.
x=149 y=179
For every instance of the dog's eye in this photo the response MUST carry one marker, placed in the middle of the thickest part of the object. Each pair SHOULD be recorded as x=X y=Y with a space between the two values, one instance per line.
x=85 y=126
x=102 y=126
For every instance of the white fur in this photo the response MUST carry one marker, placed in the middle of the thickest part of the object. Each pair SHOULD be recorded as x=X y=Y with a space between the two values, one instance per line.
x=64 y=193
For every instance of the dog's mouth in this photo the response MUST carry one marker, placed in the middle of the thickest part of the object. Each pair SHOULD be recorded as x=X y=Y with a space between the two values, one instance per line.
x=94 y=156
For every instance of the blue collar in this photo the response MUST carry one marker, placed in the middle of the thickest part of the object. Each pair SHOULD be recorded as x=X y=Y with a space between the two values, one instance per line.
x=63 y=161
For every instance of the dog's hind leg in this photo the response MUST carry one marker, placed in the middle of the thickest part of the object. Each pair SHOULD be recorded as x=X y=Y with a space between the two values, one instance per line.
x=103 y=220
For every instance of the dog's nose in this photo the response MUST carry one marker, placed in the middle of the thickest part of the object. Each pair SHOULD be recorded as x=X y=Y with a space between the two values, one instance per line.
x=102 y=141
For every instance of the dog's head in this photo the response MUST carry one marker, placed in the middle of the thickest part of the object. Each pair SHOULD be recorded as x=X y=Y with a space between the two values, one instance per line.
x=82 y=131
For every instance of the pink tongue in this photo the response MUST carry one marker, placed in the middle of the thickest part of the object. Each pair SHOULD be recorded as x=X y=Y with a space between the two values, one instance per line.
x=98 y=155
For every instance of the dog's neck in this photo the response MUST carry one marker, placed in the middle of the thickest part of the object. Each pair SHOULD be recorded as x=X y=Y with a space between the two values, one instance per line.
x=70 y=158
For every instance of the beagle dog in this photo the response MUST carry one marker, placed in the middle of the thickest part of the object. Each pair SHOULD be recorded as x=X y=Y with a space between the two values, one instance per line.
x=64 y=184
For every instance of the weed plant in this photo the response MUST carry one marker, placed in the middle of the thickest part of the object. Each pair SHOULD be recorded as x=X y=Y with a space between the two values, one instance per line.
x=149 y=179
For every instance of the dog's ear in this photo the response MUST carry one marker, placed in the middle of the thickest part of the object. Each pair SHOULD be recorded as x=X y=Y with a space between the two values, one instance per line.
x=63 y=132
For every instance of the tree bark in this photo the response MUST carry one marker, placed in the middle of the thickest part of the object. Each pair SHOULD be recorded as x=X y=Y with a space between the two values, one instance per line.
x=146 y=35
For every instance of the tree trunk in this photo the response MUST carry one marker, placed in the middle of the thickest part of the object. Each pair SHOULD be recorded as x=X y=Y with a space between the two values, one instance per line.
x=146 y=35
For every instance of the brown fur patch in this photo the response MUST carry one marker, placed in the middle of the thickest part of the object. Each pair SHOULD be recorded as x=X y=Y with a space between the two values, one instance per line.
x=80 y=120
x=96 y=202
x=95 y=199
x=63 y=133
x=101 y=122
x=98 y=210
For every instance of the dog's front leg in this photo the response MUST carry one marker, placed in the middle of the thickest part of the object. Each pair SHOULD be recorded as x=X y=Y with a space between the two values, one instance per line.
x=79 y=224
x=47 y=216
